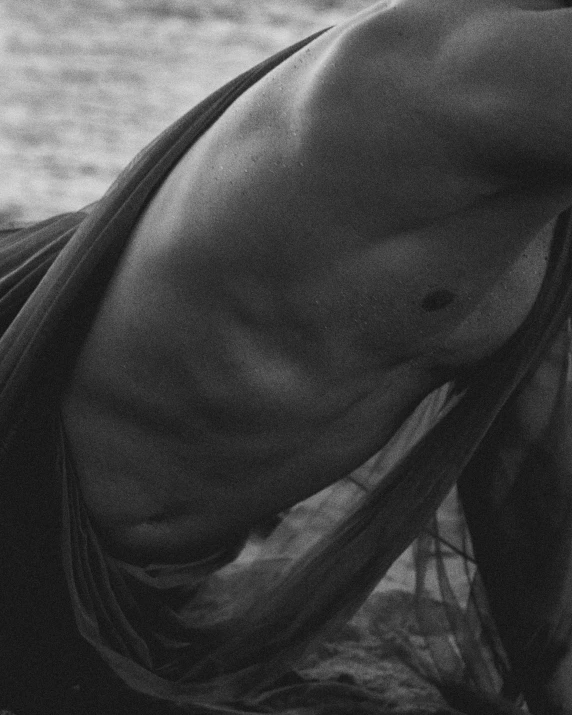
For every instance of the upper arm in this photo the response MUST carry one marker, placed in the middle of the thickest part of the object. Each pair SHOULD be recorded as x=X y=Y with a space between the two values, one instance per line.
x=511 y=72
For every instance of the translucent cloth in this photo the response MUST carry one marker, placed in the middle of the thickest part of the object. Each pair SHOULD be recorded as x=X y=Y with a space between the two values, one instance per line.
x=365 y=586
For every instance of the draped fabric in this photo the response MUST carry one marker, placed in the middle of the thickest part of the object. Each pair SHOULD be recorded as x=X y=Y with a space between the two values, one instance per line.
x=517 y=492
x=369 y=572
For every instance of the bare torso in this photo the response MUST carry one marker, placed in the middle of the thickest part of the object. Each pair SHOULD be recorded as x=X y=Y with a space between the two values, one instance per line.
x=319 y=261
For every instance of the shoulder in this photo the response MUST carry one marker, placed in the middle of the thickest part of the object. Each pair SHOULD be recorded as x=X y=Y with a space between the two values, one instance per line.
x=489 y=77
x=508 y=70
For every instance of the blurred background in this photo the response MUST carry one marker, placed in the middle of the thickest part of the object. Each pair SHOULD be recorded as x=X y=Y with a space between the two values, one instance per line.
x=85 y=84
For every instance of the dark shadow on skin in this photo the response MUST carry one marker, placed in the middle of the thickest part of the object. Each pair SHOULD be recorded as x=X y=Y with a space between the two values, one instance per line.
x=437 y=300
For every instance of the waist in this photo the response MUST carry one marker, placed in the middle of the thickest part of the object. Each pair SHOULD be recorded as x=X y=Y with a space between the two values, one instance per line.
x=169 y=495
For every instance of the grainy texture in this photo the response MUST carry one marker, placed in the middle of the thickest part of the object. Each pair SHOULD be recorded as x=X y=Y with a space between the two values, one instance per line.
x=85 y=84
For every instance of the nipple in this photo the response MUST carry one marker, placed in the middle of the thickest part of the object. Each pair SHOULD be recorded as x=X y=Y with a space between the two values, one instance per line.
x=437 y=300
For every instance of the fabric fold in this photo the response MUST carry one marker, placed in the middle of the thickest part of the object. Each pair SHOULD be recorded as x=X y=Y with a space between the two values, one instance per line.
x=53 y=277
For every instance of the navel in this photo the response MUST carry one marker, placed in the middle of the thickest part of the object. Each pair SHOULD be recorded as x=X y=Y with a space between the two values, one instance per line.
x=437 y=300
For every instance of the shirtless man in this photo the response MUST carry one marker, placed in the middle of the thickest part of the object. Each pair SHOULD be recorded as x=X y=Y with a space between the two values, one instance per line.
x=370 y=216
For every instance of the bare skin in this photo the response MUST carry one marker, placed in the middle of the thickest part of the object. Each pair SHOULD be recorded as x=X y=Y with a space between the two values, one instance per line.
x=370 y=216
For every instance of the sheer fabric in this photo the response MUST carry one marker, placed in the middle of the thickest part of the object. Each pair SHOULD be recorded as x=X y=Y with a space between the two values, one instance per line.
x=281 y=626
